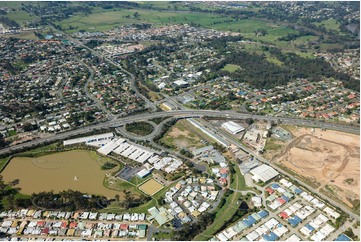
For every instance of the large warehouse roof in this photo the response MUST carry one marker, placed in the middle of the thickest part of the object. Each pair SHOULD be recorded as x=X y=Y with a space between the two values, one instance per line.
x=263 y=173
x=89 y=140
x=232 y=127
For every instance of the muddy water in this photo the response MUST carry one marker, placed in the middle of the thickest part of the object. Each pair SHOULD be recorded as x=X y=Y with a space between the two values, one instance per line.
x=75 y=170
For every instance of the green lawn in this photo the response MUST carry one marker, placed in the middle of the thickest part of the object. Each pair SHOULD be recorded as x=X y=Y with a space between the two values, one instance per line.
x=165 y=5
x=21 y=17
x=12 y=133
x=163 y=236
x=222 y=216
x=29 y=35
x=3 y=162
x=43 y=150
x=120 y=185
x=106 y=20
x=272 y=144
x=231 y=67
x=10 y=4
x=137 y=180
x=241 y=183
x=329 y=24
x=114 y=208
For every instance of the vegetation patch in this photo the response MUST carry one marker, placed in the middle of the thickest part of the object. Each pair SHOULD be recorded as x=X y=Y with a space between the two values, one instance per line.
x=108 y=166
x=139 y=128
x=272 y=144
x=329 y=24
x=231 y=68
x=158 y=120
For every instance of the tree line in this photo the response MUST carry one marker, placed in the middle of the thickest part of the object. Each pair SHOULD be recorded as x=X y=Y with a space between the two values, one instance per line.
x=260 y=73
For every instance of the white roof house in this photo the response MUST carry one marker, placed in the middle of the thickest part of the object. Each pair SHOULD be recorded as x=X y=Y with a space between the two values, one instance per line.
x=232 y=127
x=263 y=173
x=257 y=201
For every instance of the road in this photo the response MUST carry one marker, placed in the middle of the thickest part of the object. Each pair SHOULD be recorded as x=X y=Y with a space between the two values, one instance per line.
x=98 y=103
x=179 y=114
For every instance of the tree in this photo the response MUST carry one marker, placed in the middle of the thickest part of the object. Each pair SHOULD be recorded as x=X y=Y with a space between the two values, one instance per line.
x=2 y=141
x=136 y=15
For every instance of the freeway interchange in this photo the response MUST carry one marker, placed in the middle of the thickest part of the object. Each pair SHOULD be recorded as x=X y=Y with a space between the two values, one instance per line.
x=120 y=121
x=179 y=114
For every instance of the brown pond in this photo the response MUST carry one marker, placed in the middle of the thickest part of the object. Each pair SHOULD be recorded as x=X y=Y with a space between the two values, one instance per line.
x=76 y=170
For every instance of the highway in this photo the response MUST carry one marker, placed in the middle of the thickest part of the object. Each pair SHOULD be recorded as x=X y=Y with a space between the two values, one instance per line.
x=180 y=114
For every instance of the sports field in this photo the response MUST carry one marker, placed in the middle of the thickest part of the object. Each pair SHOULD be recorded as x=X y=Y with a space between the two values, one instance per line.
x=151 y=187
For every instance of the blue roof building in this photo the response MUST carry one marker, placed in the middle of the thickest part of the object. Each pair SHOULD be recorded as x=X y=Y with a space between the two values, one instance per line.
x=271 y=237
x=342 y=237
x=309 y=227
x=294 y=221
x=298 y=191
x=251 y=220
x=263 y=213
x=275 y=186
x=287 y=199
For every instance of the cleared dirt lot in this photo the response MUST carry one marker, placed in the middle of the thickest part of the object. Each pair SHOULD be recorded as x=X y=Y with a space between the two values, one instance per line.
x=330 y=158
x=183 y=135
x=151 y=187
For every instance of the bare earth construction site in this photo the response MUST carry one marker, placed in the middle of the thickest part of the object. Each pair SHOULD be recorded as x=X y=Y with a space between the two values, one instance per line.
x=328 y=160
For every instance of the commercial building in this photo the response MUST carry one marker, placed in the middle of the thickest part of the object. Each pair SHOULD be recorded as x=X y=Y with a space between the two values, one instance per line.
x=94 y=140
x=232 y=127
x=263 y=173
x=162 y=216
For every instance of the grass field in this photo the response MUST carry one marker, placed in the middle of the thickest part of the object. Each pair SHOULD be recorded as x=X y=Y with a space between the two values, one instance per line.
x=151 y=187
x=231 y=67
x=43 y=150
x=106 y=20
x=10 y=4
x=222 y=216
x=114 y=207
x=329 y=24
x=272 y=144
x=24 y=35
x=241 y=183
x=120 y=185
x=165 y=5
x=3 y=162
x=154 y=96
x=137 y=180
x=22 y=16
